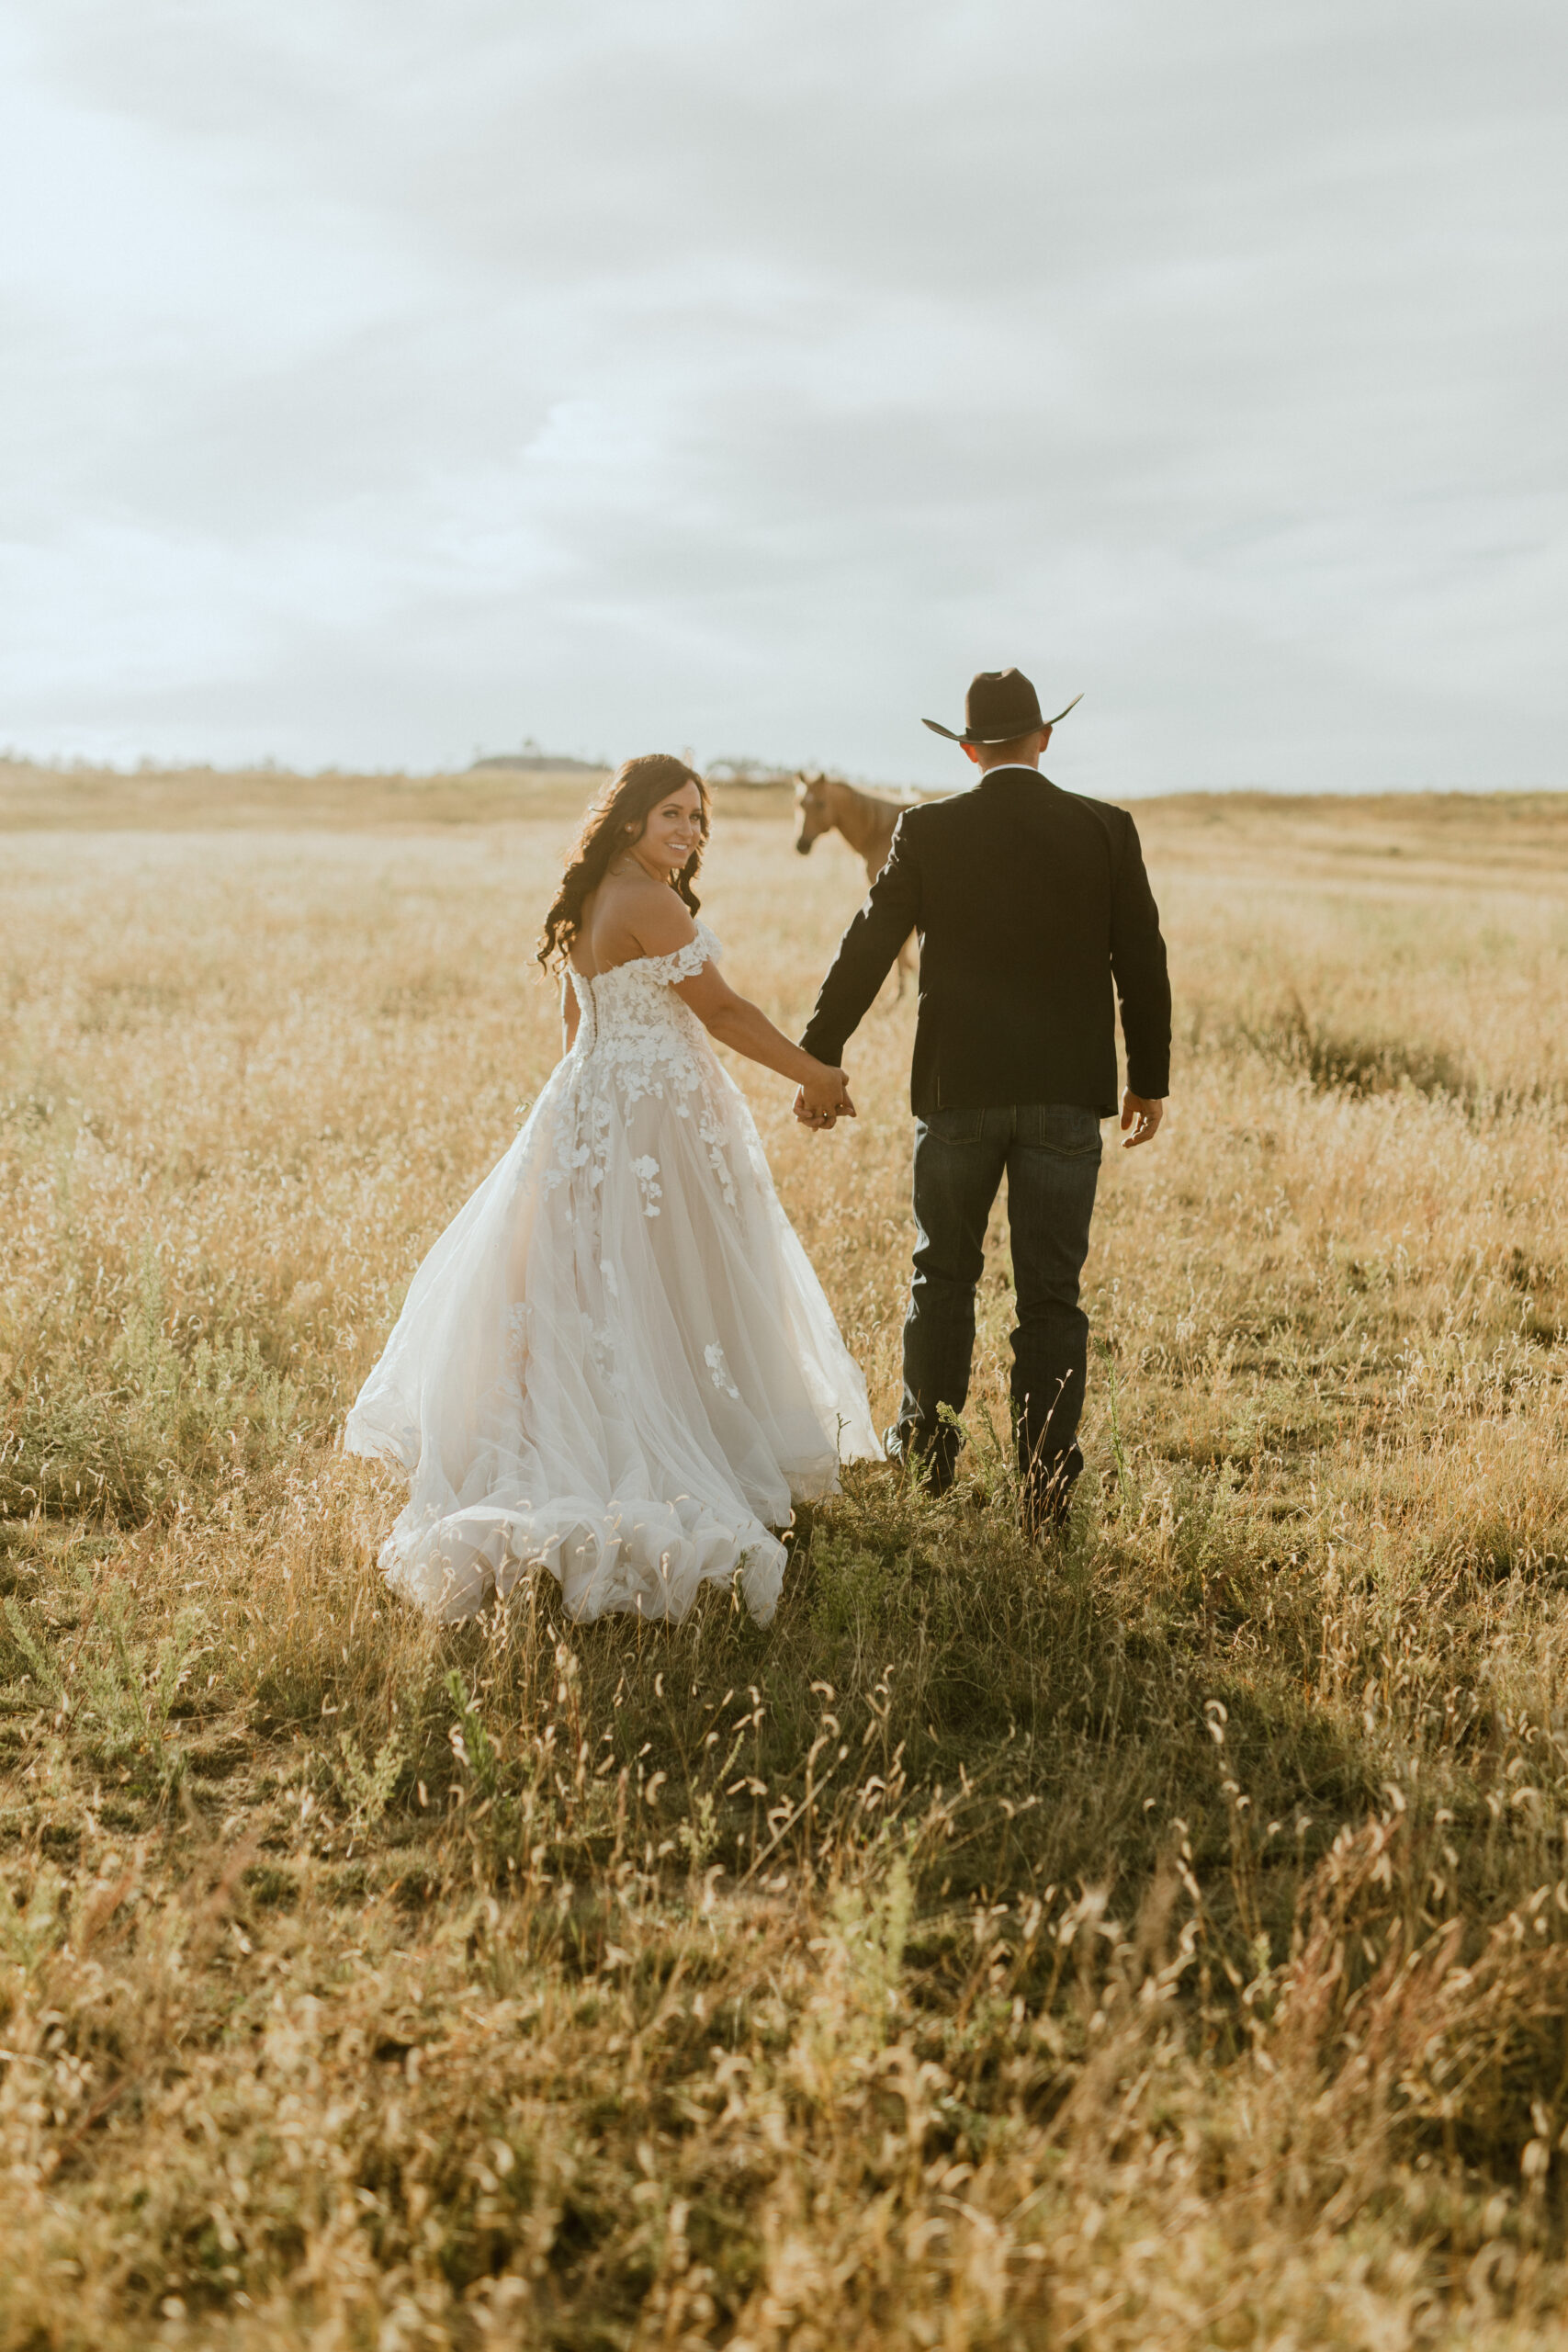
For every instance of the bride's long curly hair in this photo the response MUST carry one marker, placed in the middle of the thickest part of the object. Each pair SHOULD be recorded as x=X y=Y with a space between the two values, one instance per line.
x=635 y=788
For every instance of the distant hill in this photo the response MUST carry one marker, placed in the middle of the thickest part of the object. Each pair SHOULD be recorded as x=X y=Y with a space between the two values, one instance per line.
x=752 y=776
x=531 y=760
x=755 y=776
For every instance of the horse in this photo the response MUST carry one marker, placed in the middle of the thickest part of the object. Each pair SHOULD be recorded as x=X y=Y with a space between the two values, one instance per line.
x=866 y=822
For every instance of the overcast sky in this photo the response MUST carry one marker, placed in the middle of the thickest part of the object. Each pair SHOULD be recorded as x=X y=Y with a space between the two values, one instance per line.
x=382 y=382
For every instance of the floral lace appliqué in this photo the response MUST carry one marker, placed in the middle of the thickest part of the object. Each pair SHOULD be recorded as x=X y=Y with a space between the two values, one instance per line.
x=710 y=1126
x=719 y=1370
x=514 y=1353
x=686 y=962
x=646 y=1170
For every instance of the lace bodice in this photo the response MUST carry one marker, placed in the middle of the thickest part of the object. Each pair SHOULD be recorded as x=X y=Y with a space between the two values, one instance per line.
x=632 y=1010
x=640 y=1044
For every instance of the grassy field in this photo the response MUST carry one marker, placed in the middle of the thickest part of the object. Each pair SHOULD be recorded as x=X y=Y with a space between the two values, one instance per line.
x=1163 y=1941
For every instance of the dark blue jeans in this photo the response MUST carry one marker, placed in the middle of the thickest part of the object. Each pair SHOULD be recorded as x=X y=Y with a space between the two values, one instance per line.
x=1050 y=1153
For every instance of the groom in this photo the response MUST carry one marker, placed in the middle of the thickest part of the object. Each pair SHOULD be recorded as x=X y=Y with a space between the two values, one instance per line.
x=1030 y=902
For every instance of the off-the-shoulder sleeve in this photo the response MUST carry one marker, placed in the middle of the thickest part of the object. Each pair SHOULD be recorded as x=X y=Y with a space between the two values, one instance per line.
x=686 y=962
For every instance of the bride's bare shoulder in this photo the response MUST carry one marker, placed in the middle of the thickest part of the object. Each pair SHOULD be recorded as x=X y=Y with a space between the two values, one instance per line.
x=659 y=919
x=630 y=915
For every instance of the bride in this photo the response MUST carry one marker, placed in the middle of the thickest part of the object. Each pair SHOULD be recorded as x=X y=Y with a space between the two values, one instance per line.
x=616 y=1362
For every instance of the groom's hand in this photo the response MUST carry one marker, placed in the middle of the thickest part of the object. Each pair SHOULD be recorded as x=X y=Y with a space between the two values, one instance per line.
x=1142 y=1114
x=823 y=1101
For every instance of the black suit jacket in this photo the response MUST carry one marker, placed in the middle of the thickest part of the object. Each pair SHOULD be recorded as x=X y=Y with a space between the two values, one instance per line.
x=1030 y=902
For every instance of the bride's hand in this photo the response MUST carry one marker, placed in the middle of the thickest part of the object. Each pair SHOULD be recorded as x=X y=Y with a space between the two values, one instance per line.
x=823 y=1099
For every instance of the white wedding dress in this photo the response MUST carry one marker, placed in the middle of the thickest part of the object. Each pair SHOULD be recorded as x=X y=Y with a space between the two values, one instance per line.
x=616 y=1362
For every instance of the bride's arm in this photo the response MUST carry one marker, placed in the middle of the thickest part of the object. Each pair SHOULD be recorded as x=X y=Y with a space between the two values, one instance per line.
x=735 y=1021
x=662 y=925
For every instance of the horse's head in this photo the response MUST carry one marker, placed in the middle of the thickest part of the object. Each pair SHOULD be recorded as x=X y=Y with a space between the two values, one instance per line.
x=811 y=799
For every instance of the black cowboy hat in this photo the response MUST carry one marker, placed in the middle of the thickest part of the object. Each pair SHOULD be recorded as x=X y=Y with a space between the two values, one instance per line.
x=999 y=706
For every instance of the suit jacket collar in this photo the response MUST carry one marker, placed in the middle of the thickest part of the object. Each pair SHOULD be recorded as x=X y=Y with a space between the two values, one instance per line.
x=1014 y=769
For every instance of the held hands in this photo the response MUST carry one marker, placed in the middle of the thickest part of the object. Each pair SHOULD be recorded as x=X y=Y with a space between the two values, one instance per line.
x=1143 y=1114
x=823 y=1100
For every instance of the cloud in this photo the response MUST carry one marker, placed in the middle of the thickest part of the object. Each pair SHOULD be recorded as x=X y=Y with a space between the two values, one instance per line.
x=390 y=381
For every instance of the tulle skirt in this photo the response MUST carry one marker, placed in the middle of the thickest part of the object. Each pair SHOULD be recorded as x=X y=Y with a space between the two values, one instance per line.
x=616 y=1363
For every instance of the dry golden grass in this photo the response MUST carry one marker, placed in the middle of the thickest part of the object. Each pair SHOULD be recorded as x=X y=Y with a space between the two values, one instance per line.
x=270 y=800
x=1162 y=1942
